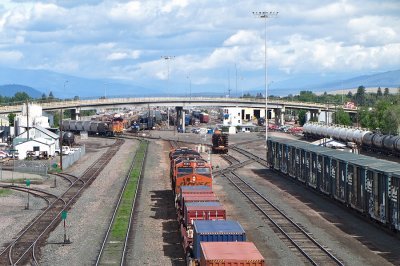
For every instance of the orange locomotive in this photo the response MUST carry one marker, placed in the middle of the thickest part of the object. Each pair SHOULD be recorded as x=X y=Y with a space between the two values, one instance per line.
x=188 y=169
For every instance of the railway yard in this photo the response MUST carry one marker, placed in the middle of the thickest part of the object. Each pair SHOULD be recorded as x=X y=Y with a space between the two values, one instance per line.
x=290 y=224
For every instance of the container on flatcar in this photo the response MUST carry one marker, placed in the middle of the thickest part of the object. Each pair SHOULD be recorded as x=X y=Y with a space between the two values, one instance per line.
x=230 y=254
x=216 y=231
x=185 y=198
x=211 y=210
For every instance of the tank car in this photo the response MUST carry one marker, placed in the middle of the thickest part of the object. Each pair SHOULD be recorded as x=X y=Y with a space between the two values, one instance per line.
x=68 y=138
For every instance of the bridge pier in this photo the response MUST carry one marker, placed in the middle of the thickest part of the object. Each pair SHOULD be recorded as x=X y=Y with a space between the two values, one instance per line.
x=280 y=116
x=179 y=114
x=75 y=114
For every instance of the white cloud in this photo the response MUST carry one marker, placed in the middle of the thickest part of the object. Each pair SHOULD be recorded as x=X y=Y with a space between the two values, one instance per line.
x=123 y=55
x=10 y=56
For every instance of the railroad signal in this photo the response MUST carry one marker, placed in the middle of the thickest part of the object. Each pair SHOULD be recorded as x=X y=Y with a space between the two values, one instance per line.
x=64 y=217
x=28 y=184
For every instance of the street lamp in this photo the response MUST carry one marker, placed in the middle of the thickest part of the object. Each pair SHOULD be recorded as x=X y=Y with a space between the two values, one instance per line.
x=190 y=87
x=168 y=58
x=265 y=15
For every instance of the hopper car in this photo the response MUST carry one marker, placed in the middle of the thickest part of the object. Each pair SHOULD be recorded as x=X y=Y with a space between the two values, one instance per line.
x=367 y=185
x=108 y=128
x=202 y=217
x=367 y=140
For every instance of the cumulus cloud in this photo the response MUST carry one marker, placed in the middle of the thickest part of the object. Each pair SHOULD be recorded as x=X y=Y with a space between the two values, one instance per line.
x=125 y=39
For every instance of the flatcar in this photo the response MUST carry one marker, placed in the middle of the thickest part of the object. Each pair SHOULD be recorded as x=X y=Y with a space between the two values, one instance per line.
x=367 y=185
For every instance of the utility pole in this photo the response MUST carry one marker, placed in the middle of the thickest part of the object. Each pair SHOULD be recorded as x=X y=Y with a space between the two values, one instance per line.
x=60 y=139
x=265 y=15
x=168 y=58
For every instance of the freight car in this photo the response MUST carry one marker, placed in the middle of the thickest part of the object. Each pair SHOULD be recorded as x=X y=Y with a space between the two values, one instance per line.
x=219 y=142
x=110 y=128
x=367 y=185
x=204 y=118
x=202 y=217
x=365 y=139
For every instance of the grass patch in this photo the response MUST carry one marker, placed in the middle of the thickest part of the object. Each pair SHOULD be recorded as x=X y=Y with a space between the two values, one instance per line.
x=5 y=192
x=121 y=222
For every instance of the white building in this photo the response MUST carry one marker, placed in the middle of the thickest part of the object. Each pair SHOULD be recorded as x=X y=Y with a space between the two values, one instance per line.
x=31 y=116
x=40 y=140
x=37 y=146
x=232 y=116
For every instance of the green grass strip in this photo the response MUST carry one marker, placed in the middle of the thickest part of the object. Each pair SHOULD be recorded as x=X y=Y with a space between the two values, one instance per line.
x=5 y=192
x=121 y=222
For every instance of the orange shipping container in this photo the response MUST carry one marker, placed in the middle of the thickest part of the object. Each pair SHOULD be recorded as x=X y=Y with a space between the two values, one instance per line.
x=230 y=253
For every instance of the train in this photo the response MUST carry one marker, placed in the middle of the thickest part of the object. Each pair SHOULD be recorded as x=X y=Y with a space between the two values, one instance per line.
x=220 y=142
x=207 y=236
x=367 y=140
x=367 y=185
x=107 y=128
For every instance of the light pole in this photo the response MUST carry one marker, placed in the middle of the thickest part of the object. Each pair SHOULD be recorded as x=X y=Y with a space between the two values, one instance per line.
x=168 y=58
x=190 y=87
x=265 y=15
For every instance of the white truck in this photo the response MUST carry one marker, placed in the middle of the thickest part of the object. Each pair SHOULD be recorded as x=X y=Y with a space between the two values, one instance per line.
x=65 y=150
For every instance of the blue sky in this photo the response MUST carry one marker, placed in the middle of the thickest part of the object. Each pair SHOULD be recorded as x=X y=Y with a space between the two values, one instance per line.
x=214 y=42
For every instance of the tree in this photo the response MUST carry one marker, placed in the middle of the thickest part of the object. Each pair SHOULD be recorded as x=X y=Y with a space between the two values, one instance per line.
x=11 y=118
x=350 y=95
x=359 y=97
x=342 y=118
x=391 y=120
x=76 y=98
x=386 y=92
x=379 y=92
x=21 y=97
x=302 y=117
x=44 y=96
x=51 y=96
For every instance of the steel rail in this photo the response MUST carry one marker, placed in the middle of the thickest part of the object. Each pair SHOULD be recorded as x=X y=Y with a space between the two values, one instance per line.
x=134 y=204
x=282 y=230
x=66 y=204
x=116 y=210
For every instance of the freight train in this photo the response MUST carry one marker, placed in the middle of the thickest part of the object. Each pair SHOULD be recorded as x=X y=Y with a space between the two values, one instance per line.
x=108 y=128
x=368 y=185
x=365 y=139
x=219 y=142
x=207 y=237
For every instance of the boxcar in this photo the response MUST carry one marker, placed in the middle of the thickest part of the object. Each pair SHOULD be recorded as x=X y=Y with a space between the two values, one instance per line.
x=366 y=184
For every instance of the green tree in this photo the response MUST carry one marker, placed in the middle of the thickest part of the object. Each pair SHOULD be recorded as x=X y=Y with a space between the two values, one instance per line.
x=21 y=96
x=11 y=118
x=360 y=96
x=51 y=96
x=379 y=92
x=302 y=117
x=342 y=118
x=386 y=92
x=391 y=120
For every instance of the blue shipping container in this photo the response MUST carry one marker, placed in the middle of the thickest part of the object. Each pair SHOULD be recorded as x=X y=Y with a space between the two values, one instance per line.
x=216 y=231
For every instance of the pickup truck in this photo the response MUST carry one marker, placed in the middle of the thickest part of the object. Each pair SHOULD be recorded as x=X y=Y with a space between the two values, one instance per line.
x=65 y=150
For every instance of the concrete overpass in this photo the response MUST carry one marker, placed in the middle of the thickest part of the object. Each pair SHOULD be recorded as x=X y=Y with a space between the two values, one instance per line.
x=177 y=101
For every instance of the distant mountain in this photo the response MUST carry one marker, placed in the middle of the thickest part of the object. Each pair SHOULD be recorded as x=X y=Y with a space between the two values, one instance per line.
x=11 y=89
x=332 y=82
x=67 y=86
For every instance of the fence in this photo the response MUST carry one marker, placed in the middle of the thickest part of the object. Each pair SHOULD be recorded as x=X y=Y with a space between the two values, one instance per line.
x=69 y=159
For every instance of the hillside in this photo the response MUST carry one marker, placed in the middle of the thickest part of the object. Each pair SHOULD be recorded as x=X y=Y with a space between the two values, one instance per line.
x=10 y=90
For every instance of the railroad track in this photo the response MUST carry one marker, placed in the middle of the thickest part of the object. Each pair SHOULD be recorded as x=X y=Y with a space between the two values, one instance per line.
x=296 y=238
x=174 y=144
x=234 y=164
x=22 y=249
x=250 y=155
x=113 y=249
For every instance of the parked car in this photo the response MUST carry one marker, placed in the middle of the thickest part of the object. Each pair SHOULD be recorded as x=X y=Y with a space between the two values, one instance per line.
x=65 y=150
x=4 y=155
